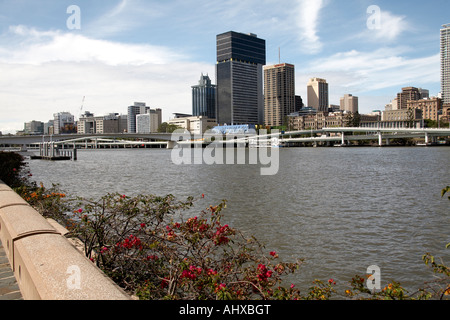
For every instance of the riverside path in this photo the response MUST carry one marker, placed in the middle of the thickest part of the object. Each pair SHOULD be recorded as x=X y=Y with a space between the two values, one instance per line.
x=9 y=289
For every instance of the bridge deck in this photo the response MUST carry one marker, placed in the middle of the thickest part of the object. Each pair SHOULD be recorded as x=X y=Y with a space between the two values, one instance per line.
x=9 y=290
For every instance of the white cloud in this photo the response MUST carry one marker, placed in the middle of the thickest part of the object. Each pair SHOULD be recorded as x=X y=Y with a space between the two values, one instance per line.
x=382 y=68
x=362 y=73
x=51 y=71
x=308 y=23
x=387 y=29
x=35 y=47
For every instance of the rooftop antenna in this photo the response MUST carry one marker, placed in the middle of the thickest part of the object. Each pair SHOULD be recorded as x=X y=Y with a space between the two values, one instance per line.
x=279 y=55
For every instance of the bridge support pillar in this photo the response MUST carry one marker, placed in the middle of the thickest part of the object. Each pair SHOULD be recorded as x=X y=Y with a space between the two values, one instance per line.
x=427 y=139
x=380 y=139
x=343 y=138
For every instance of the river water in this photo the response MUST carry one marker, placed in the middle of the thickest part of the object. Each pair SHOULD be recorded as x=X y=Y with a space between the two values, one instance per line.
x=340 y=209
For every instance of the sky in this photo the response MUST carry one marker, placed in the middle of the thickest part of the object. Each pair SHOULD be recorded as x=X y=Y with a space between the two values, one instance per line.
x=103 y=55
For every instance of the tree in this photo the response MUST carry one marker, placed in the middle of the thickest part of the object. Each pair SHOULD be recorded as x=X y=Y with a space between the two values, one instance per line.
x=353 y=120
x=167 y=128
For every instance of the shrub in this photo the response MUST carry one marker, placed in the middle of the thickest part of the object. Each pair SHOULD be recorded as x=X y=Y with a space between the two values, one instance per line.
x=146 y=246
x=12 y=167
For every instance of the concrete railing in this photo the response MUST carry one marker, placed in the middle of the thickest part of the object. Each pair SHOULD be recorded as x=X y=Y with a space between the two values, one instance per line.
x=46 y=265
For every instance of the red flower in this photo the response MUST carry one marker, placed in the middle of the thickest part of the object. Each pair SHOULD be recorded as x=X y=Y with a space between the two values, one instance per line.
x=211 y=272
x=264 y=273
x=203 y=195
x=220 y=287
x=164 y=283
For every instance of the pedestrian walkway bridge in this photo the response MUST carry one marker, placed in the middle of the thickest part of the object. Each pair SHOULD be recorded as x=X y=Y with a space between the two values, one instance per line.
x=167 y=140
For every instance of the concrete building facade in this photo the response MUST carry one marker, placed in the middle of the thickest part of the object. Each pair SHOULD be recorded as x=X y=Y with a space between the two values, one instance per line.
x=63 y=122
x=407 y=94
x=430 y=107
x=318 y=96
x=195 y=125
x=349 y=103
x=148 y=122
x=34 y=127
x=279 y=93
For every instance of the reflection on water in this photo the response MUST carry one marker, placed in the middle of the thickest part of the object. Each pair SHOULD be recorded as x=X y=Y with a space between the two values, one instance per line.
x=342 y=209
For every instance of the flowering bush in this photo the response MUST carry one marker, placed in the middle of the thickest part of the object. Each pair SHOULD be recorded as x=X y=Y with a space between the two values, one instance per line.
x=146 y=245
x=153 y=248
x=48 y=202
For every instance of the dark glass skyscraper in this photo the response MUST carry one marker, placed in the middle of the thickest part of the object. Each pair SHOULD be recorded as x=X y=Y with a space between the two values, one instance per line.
x=204 y=98
x=239 y=73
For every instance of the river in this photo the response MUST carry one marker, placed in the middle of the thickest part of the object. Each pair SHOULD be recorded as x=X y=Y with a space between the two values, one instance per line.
x=341 y=209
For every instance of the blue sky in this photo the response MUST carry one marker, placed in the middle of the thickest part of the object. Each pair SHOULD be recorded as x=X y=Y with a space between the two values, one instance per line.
x=154 y=51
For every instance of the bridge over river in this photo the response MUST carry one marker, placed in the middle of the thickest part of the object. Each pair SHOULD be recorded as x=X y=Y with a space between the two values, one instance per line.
x=170 y=140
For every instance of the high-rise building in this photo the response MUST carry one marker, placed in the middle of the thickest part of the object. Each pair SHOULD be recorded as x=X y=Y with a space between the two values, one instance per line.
x=34 y=127
x=445 y=63
x=349 y=103
x=239 y=74
x=148 y=122
x=279 y=93
x=133 y=111
x=204 y=98
x=407 y=94
x=63 y=122
x=318 y=94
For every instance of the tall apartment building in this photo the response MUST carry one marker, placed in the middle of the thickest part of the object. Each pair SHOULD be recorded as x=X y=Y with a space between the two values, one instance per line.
x=279 y=93
x=445 y=63
x=318 y=94
x=349 y=103
x=239 y=74
x=204 y=98
x=407 y=94
x=63 y=122
x=148 y=122
x=133 y=111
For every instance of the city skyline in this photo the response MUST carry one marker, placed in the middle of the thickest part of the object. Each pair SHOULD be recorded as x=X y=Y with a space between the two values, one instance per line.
x=126 y=51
